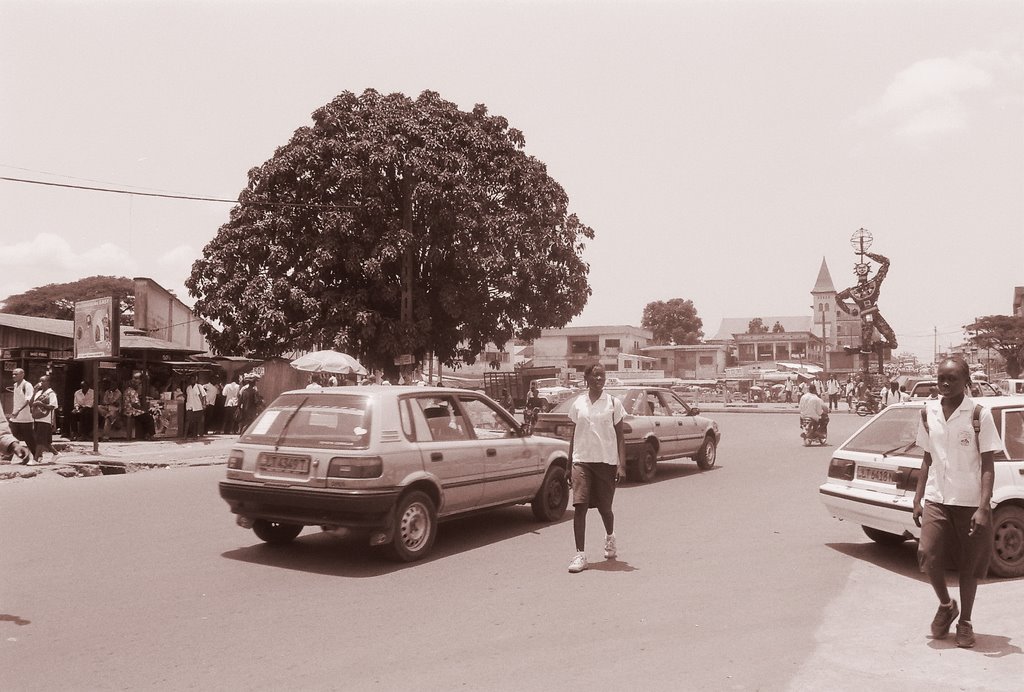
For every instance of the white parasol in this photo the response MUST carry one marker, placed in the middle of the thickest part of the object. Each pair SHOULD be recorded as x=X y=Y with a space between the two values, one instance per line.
x=329 y=361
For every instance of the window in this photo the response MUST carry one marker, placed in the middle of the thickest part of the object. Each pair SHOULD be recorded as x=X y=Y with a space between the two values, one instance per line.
x=314 y=420
x=488 y=423
x=611 y=343
x=588 y=348
x=674 y=406
x=444 y=422
x=1013 y=433
x=707 y=360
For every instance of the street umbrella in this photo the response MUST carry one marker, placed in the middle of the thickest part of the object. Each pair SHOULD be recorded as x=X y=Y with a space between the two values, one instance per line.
x=329 y=361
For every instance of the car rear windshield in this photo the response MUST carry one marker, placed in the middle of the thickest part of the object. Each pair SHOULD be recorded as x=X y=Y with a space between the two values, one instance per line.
x=623 y=394
x=313 y=420
x=894 y=431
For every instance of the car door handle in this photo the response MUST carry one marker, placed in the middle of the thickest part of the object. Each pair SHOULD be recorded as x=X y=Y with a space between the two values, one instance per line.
x=436 y=456
x=491 y=452
x=657 y=424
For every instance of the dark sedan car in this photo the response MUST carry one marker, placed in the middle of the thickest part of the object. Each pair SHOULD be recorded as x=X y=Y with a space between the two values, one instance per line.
x=658 y=426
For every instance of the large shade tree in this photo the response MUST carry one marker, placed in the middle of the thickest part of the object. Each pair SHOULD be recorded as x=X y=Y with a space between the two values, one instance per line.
x=1003 y=334
x=673 y=321
x=57 y=301
x=392 y=226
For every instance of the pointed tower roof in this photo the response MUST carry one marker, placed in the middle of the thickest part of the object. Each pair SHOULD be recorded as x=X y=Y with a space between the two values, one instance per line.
x=824 y=282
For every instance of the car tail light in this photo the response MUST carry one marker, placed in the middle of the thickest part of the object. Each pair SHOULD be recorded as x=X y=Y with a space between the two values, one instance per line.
x=355 y=467
x=842 y=469
x=908 y=478
x=235 y=459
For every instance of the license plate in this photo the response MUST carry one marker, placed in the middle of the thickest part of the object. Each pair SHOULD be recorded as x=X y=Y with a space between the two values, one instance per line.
x=291 y=464
x=868 y=473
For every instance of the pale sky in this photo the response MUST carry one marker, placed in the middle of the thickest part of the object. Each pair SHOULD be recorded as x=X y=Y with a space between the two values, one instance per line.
x=718 y=149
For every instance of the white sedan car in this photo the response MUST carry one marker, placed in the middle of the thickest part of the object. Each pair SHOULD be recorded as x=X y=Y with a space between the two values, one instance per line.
x=872 y=478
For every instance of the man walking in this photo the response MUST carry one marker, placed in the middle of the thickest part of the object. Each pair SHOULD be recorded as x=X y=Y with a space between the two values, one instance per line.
x=832 y=387
x=11 y=446
x=958 y=438
x=22 y=423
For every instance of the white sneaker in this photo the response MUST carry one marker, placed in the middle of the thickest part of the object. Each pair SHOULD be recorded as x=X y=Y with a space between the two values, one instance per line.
x=579 y=563
x=610 y=551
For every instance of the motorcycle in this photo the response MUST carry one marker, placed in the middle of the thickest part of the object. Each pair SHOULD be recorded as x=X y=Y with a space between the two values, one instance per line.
x=813 y=430
x=867 y=407
x=530 y=414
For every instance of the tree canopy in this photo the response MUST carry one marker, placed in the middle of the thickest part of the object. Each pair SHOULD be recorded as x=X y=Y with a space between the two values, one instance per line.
x=757 y=326
x=57 y=301
x=392 y=226
x=673 y=321
x=1003 y=334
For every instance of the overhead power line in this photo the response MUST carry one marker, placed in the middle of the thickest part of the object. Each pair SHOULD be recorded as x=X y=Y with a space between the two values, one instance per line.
x=163 y=195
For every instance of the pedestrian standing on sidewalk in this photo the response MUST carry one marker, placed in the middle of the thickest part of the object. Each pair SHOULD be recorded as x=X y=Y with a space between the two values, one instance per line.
x=44 y=412
x=230 y=418
x=195 y=402
x=788 y=389
x=598 y=453
x=959 y=438
x=22 y=425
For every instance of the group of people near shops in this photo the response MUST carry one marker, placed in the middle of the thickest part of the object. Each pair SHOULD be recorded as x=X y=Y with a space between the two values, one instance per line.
x=136 y=405
x=832 y=391
x=213 y=408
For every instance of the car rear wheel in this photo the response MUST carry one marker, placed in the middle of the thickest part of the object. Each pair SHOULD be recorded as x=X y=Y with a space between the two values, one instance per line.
x=276 y=532
x=1008 y=543
x=883 y=537
x=415 y=527
x=708 y=454
x=645 y=467
x=553 y=496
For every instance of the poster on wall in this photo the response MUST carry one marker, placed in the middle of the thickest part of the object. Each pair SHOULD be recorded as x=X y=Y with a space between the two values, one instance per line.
x=97 y=328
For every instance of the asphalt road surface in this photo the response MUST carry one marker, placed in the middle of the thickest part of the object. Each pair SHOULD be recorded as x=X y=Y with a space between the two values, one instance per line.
x=729 y=579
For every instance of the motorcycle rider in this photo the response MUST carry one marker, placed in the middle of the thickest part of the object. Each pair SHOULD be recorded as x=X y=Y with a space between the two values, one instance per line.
x=534 y=406
x=812 y=406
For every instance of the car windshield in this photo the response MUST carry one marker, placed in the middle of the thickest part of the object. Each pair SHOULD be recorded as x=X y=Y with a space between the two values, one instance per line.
x=623 y=394
x=893 y=431
x=313 y=420
x=547 y=382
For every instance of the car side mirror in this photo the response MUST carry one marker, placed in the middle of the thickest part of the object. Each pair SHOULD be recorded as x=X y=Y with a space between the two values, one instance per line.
x=694 y=411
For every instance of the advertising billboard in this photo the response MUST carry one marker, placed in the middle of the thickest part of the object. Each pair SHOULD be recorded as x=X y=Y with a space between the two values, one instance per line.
x=97 y=328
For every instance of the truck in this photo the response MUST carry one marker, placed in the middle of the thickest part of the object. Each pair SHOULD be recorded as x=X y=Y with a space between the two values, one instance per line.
x=517 y=382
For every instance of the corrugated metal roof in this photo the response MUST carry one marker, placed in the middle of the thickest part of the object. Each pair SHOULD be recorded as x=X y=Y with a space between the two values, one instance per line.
x=45 y=325
x=66 y=329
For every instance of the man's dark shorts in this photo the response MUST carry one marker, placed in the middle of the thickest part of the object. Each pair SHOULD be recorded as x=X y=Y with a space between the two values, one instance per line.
x=593 y=485
x=945 y=541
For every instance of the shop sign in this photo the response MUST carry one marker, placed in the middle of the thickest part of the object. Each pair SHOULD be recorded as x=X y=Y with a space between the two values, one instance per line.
x=6 y=355
x=97 y=328
x=37 y=354
x=405 y=359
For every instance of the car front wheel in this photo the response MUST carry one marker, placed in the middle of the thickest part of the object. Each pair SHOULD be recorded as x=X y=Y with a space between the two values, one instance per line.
x=1008 y=543
x=708 y=453
x=553 y=496
x=276 y=532
x=415 y=527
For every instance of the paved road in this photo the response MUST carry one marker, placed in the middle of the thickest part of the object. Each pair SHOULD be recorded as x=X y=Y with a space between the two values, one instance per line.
x=731 y=579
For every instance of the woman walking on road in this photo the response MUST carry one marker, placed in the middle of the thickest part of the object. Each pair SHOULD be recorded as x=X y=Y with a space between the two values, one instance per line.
x=598 y=454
